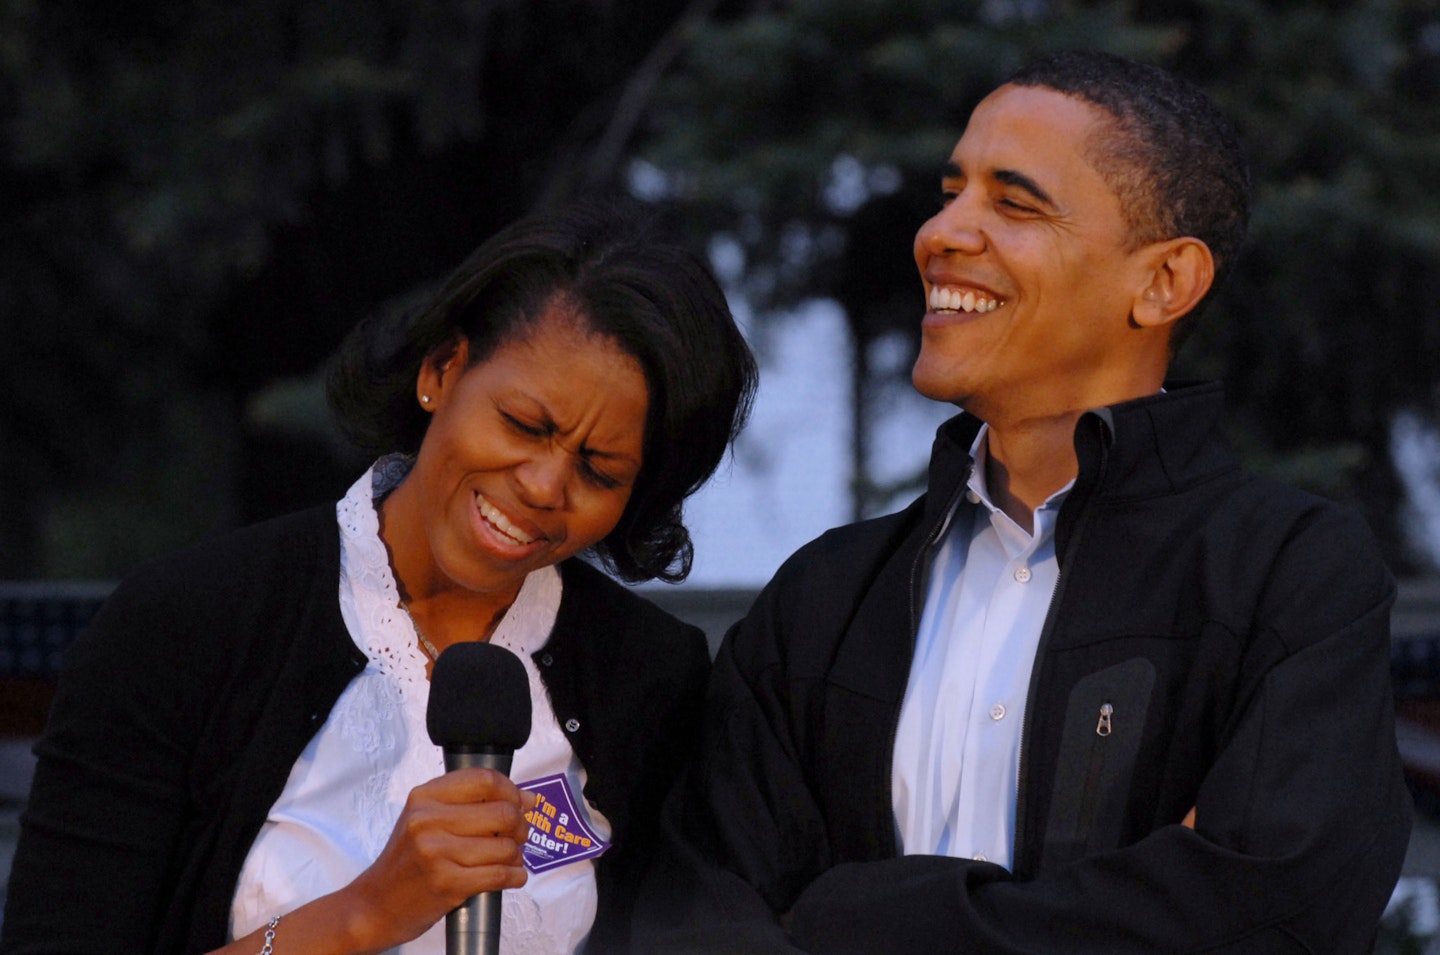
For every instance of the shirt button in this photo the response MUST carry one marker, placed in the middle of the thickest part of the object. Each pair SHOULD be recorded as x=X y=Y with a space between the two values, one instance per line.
x=981 y=858
x=546 y=660
x=1022 y=574
x=971 y=496
x=571 y=725
x=997 y=712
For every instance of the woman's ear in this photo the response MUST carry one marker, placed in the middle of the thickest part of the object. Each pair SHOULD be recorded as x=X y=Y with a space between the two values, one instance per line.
x=440 y=370
x=1180 y=272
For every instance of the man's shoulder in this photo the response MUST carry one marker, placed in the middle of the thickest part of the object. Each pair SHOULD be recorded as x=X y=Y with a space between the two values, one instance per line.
x=1289 y=514
x=1285 y=559
x=811 y=600
x=852 y=551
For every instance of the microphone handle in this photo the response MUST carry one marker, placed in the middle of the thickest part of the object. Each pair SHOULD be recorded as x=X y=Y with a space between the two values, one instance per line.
x=473 y=927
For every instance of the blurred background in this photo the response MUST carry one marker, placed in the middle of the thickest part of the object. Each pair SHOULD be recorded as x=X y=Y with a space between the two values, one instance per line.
x=199 y=198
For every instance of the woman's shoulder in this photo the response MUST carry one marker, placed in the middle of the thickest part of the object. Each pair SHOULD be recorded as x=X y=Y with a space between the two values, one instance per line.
x=236 y=559
x=612 y=618
x=199 y=616
x=596 y=590
x=278 y=570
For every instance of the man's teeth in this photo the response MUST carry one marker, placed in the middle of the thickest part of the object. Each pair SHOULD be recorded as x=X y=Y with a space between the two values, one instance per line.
x=492 y=514
x=944 y=299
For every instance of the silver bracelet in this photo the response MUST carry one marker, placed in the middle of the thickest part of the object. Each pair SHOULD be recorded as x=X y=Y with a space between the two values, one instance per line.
x=268 y=948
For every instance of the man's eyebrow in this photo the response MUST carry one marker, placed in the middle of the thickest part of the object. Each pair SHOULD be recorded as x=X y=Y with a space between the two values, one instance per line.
x=1021 y=181
x=1010 y=177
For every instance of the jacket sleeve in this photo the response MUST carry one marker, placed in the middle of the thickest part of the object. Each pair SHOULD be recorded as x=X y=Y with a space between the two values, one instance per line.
x=95 y=860
x=741 y=835
x=1302 y=817
x=662 y=719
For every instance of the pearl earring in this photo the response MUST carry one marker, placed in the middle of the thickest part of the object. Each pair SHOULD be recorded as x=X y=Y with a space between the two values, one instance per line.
x=425 y=399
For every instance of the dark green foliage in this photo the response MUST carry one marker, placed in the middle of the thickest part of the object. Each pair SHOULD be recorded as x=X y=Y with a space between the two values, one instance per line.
x=1329 y=327
x=199 y=197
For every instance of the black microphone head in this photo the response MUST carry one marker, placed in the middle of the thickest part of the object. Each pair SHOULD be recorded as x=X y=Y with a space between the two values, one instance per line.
x=479 y=699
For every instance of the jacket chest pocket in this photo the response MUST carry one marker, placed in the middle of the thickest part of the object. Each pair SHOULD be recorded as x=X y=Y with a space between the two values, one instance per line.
x=1099 y=742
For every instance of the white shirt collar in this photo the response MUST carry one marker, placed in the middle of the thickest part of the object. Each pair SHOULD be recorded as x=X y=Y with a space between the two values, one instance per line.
x=979 y=493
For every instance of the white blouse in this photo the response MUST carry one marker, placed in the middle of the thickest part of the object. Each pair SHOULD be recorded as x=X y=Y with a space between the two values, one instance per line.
x=347 y=789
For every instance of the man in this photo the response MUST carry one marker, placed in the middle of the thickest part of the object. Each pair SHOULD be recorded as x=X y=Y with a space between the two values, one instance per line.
x=1098 y=690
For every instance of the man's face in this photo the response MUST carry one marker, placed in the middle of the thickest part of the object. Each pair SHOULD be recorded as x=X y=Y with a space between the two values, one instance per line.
x=1028 y=274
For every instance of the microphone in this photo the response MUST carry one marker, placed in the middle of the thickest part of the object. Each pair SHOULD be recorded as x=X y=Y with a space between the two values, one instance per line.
x=479 y=713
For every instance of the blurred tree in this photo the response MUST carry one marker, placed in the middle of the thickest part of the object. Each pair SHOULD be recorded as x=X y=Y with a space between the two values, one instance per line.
x=1333 y=324
x=810 y=135
x=199 y=198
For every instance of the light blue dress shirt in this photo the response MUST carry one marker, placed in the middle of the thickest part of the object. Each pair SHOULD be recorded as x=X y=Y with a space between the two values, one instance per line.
x=957 y=749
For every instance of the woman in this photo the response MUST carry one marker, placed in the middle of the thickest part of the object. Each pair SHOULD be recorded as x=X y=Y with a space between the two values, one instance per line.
x=237 y=755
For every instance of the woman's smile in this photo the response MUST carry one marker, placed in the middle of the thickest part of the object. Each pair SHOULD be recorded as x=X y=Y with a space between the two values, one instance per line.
x=494 y=523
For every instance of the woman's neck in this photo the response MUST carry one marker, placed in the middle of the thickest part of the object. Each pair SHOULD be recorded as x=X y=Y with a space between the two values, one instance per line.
x=443 y=611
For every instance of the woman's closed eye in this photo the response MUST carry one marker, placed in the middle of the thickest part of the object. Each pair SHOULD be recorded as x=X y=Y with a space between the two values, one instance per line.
x=595 y=476
x=524 y=427
x=586 y=465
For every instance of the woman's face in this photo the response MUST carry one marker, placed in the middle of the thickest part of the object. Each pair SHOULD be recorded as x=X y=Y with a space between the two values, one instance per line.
x=530 y=456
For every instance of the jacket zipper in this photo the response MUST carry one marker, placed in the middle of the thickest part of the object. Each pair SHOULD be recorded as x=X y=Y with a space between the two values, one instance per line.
x=1066 y=560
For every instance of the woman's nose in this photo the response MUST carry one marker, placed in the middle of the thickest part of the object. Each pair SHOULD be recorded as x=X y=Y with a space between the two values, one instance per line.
x=541 y=479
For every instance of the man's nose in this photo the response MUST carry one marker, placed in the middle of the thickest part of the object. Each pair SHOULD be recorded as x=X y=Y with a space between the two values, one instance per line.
x=955 y=228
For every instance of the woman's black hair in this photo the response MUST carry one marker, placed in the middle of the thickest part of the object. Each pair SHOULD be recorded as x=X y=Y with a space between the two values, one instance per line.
x=604 y=263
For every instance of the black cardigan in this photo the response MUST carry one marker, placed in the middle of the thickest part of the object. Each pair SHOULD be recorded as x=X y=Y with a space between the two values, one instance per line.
x=182 y=708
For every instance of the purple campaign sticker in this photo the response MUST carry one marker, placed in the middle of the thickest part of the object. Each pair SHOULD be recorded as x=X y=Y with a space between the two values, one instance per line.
x=559 y=834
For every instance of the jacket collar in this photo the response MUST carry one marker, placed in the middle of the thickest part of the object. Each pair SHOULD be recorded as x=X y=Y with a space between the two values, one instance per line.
x=1160 y=444
x=1154 y=445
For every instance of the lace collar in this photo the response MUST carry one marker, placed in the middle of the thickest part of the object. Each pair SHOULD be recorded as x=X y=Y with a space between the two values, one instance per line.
x=387 y=634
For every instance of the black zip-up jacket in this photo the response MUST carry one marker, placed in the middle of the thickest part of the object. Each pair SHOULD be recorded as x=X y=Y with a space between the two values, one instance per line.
x=1238 y=631
x=183 y=707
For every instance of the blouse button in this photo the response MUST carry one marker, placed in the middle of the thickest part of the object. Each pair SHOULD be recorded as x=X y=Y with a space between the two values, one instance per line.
x=546 y=660
x=1022 y=575
x=571 y=725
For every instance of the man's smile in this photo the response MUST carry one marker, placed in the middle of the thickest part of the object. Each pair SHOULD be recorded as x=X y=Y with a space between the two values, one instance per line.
x=951 y=298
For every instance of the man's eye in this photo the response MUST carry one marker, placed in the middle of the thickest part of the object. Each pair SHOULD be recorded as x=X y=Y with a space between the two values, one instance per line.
x=1018 y=207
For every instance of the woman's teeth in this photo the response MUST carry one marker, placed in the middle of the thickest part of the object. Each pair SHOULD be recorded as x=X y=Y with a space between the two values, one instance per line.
x=944 y=299
x=497 y=520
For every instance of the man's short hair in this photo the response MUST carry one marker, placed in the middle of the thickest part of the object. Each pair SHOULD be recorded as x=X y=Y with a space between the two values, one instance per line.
x=1174 y=159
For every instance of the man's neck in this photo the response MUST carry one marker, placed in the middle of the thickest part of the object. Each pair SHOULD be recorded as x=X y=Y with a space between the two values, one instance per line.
x=1028 y=462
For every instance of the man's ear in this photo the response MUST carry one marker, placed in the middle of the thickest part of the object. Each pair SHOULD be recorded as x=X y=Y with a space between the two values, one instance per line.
x=1179 y=273
x=440 y=370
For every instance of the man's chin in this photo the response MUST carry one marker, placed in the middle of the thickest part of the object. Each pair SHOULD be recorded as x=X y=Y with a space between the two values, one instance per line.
x=937 y=384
